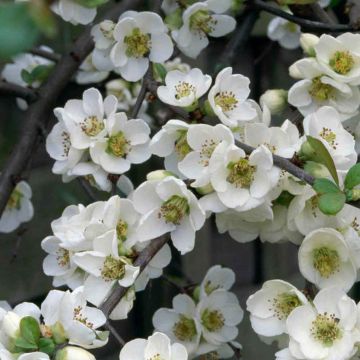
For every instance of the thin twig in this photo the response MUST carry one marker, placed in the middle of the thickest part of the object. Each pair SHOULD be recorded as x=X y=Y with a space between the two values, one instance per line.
x=10 y=89
x=316 y=26
x=141 y=97
x=45 y=54
x=114 y=333
x=87 y=189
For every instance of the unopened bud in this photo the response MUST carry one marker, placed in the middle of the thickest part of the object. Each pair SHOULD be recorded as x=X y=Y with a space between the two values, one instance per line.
x=74 y=353
x=159 y=175
x=308 y=42
x=275 y=100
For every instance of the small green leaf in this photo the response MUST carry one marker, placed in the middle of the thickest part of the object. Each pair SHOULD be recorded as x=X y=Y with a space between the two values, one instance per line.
x=160 y=71
x=284 y=199
x=174 y=20
x=317 y=152
x=325 y=186
x=47 y=346
x=23 y=344
x=30 y=329
x=41 y=72
x=91 y=3
x=352 y=178
x=331 y=203
x=26 y=76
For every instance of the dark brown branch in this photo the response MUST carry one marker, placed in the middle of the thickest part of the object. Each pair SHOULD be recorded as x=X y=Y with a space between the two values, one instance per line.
x=141 y=97
x=45 y=54
x=142 y=261
x=39 y=112
x=114 y=333
x=22 y=92
x=316 y=26
x=87 y=189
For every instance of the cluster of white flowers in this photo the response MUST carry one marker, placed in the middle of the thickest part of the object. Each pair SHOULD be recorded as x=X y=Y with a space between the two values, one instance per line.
x=206 y=322
x=30 y=333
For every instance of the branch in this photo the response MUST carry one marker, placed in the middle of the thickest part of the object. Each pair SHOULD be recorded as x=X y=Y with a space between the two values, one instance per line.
x=316 y=26
x=114 y=333
x=38 y=113
x=87 y=188
x=141 y=97
x=22 y=92
x=142 y=261
x=45 y=54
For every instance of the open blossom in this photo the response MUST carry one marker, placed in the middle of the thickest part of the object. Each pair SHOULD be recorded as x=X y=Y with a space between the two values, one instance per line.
x=339 y=57
x=19 y=208
x=140 y=37
x=167 y=206
x=156 y=346
x=200 y=20
x=242 y=182
x=228 y=98
x=325 y=329
x=270 y=307
x=203 y=139
x=79 y=322
x=286 y=33
x=325 y=125
x=73 y=12
x=88 y=73
x=184 y=89
x=316 y=89
x=325 y=260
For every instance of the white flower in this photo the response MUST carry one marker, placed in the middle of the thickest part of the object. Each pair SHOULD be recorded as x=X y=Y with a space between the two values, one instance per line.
x=325 y=125
x=283 y=141
x=6 y=355
x=180 y=323
x=217 y=277
x=275 y=100
x=242 y=182
x=105 y=267
x=71 y=11
x=171 y=143
x=140 y=37
x=157 y=346
x=286 y=33
x=228 y=98
x=203 y=139
x=72 y=352
x=167 y=206
x=79 y=321
x=201 y=20
x=126 y=142
x=325 y=330
x=19 y=208
x=88 y=73
x=169 y=6
x=124 y=306
x=121 y=90
x=270 y=306
x=103 y=34
x=219 y=314
x=284 y=355
x=84 y=119
x=339 y=57
x=184 y=89
x=315 y=89
x=325 y=259
x=28 y=62
x=177 y=64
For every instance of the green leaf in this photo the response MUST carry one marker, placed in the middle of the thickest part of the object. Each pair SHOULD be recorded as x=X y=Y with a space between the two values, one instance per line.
x=91 y=3
x=174 y=20
x=43 y=17
x=160 y=71
x=316 y=170
x=26 y=76
x=284 y=199
x=41 y=72
x=47 y=346
x=331 y=203
x=30 y=329
x=23 y=344
x=320 y=154
x=18 y=31
x=352 y=178
x=325 y=186
x=334 y=3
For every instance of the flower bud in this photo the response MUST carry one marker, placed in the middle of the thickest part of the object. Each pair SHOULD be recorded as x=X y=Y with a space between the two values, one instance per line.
x=74 y=353
x=275 y=100
x=307 y=42
x=9 y=329
x=294 y=72
x=58 y=333
x=204 y=190
x=159 y=175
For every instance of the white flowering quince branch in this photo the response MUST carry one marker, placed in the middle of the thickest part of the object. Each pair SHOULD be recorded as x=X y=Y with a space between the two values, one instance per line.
x=224 y=157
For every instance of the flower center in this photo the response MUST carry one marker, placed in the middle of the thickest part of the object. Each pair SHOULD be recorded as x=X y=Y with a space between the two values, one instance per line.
x=174 y=209
x=320 y=91
x=209 y=287
x=284 y=304
x=241 y=173
x=213 y=320
x=14 y=201
x=207 y=148
x=184 y=89
x=107 y=28
x=118 y=145
x=66 y=143
x=78 y=316
x=92 y=126
x=291 y=27
x=342 y=62
x=121 y=230
x=326 y=261
x=138 y=44
x=325 y=329
x=63 y=257
x=182 y=147
x=226 y=100
x=329 y=136
x=202 y=22
x=185 y=329
x=156 y=357
x=113 y=269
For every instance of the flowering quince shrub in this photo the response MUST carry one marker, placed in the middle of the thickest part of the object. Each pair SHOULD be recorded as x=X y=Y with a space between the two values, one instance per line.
x=220 y=156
